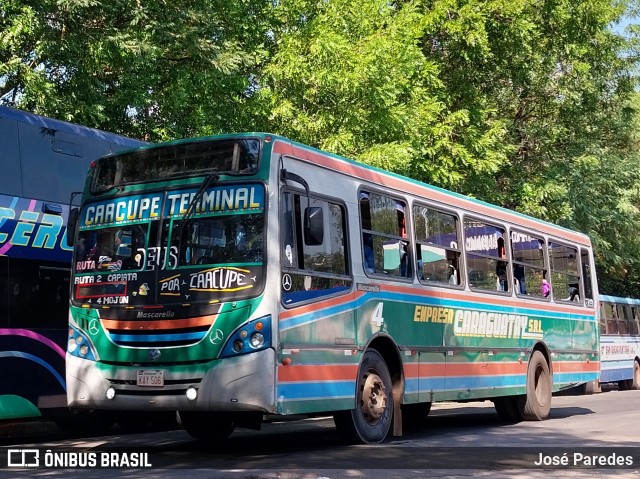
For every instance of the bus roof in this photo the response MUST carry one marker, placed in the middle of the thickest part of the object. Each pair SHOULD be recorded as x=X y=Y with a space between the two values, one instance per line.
x=619 y=300
x=59 y=125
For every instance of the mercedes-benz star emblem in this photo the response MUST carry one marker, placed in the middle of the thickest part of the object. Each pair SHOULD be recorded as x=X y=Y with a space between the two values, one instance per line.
x=93 y=327
x=216 y=336
x=154 y=354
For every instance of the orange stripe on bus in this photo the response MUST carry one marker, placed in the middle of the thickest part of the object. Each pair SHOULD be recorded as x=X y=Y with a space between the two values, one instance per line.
x=317 y=372
x=162 y=324
x=416 y=189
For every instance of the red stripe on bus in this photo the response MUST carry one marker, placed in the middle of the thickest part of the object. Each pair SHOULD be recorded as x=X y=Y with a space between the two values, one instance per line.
x=162 y=324
x=317 y=372
x=575 y=366
x=416 y=189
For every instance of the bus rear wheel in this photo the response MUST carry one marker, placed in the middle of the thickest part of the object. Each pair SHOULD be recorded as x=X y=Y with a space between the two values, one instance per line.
x=535 y=405
x=369 y=422
x=208 y=427
x=508 y=409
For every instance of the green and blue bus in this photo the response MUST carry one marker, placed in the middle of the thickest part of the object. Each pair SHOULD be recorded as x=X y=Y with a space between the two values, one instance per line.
x=235 y=277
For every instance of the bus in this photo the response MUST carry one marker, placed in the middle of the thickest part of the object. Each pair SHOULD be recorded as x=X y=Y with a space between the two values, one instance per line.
x=43 y=162
x=238 y=277
x=620 y=341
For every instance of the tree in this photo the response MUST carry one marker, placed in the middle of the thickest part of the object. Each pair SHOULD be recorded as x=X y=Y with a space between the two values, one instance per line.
x=160 y=70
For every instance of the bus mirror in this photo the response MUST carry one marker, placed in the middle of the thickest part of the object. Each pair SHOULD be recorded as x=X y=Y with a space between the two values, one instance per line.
x=313 y=226
x=72 y=224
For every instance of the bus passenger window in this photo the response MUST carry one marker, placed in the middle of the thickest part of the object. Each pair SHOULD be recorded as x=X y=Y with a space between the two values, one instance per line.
x=565 y=273
x=312 y=270
x=529 y=270
x=487 y=262
x=385 y=250
x=438 y=254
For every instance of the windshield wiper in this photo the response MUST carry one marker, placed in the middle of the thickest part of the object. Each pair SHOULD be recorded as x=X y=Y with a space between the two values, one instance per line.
x=211 y=178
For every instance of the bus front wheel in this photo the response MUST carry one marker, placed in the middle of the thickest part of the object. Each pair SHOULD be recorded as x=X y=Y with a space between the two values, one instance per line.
x=536 y=403
x=369 y=422
x=207 y=426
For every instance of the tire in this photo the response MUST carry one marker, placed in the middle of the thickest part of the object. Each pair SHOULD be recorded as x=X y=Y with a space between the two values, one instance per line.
x=625 y=384
x=209 y=427
x=535 y=405
x=635 y=384
x=508 y=409
x=370 y=421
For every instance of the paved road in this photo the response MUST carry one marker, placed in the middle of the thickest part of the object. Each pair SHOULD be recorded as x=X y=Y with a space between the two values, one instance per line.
x=455 y=441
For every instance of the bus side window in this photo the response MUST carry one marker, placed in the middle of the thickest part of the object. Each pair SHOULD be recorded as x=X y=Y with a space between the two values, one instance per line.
x=587 y=277
x=565 y=273
x=487 y=262
x=529 y=265
x=313 y=268
x=437 y=239
x=612 y=320
x=385 y=246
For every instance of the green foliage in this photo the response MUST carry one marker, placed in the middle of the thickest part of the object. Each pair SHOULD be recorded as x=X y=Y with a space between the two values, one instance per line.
x=529 y=104
x=157 y=70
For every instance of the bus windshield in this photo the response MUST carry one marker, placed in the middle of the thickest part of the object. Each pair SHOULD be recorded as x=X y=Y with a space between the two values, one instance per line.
x=143 y=249
x=236 y=157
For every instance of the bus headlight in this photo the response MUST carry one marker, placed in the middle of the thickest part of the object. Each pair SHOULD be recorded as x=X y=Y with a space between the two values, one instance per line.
x=79 y=345
x=257 y=340
x=248 y=338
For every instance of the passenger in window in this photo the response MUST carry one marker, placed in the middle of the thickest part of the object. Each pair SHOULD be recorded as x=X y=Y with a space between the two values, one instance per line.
x=501 y=268
x=453 y=278
x=519 y=278
x=405 y=265
x=545 y=286
x=573 y=294
x=369 y=262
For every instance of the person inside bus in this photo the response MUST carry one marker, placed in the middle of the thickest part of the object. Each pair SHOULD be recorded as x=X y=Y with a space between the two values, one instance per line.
x=574 y=295
x=545 y=286
x=519 y=278
x=501 y=268
x=369 y=261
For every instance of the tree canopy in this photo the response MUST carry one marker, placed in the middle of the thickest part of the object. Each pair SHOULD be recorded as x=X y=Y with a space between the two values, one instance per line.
x=529 y=104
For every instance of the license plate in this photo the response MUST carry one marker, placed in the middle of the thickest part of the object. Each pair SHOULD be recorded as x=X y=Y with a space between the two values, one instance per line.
x=150 y=378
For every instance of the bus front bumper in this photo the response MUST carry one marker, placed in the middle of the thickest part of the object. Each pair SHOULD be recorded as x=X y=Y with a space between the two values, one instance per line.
x=242 y=383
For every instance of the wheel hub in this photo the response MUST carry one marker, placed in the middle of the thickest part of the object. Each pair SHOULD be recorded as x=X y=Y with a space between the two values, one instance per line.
x=374 y=398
